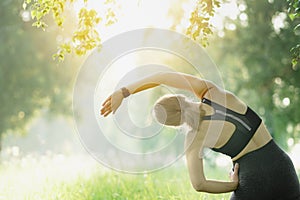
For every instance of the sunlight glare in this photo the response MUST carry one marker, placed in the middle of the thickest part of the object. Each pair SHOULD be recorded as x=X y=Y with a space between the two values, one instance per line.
x=228 y=10
x=222 y=161
x=26 y=17
x=286 y=101
x=294 y=154
x=242 y=7
x=130 y=15
x=114 y=73
x=290 y=142
x=243 y=17
x=279 y=21
x=141 y=14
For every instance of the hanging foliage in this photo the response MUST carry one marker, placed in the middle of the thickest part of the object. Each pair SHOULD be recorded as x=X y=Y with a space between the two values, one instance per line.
x=85 y=37
x=200 y=26
x=294 y=13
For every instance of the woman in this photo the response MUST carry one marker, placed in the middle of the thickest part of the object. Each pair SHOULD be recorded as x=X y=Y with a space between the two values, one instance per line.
x=224 y=123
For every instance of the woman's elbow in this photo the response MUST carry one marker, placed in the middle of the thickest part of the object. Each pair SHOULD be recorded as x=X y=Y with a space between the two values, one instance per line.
x=199 y=187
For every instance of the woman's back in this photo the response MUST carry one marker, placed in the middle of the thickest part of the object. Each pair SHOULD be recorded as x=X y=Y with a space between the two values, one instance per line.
x=259 y=178
x=219 y=132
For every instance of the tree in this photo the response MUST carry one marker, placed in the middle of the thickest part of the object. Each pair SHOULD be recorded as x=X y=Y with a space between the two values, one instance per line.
x=86 y=36
x=294 y=13
x=30 y=80
x=258 y=52
x=260 y=46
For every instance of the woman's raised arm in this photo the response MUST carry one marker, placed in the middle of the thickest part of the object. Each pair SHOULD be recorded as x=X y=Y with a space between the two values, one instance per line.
x=173 y=79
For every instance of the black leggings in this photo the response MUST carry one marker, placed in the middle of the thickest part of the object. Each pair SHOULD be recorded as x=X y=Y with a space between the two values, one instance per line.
x=267 y=174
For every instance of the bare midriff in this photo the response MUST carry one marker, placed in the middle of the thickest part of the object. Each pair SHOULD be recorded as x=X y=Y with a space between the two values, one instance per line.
x=259 y=139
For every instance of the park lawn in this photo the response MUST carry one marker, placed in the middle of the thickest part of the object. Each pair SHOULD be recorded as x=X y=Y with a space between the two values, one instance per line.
x=163 y=185
x=47 y=183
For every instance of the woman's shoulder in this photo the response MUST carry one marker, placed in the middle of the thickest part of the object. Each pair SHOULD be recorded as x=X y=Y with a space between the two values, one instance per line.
x=226 y=99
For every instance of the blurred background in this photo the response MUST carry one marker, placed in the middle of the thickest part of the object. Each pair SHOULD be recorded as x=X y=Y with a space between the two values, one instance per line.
x=39 y=146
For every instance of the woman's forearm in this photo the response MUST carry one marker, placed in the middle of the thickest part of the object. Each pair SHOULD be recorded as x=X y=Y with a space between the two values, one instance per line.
x=196 y=171
x=167 y=78
x=216 y=187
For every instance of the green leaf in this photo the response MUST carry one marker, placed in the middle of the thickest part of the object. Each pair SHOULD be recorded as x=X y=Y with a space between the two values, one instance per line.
x=292 y=16
x=296 y=27
x=39 y=15
x=33 y=14
x=294 y=62
x=44 y=26
x=37 y=24
x=24 y=6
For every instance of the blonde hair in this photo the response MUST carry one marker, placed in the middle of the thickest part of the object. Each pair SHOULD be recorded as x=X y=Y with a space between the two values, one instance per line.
x=176 y=110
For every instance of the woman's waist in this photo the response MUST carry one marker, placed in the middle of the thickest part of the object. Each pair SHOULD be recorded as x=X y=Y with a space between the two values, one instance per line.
x=261 y=138
x=266 y=154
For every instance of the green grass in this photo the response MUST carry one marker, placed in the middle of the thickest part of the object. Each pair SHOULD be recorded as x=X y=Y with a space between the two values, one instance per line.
x=62 y=181
x=164 y=185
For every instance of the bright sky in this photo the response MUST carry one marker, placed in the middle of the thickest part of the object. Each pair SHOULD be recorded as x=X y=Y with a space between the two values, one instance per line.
x=135 y=14
x=154 y=13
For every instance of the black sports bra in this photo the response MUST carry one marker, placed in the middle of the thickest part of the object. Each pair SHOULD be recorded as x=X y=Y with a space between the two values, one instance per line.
x=246 y=125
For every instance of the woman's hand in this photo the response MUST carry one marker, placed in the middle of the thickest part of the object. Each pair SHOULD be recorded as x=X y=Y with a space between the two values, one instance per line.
x=112 y=103
x=233 y=175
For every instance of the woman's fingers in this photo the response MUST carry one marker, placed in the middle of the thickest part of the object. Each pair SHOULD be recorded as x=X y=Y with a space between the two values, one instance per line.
x=103 y=112
x=106 y=110
x=106 y=107
x=107 y=100
x=233 y=174
x=107 y=113
x=236 y=168
x=112 y=103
